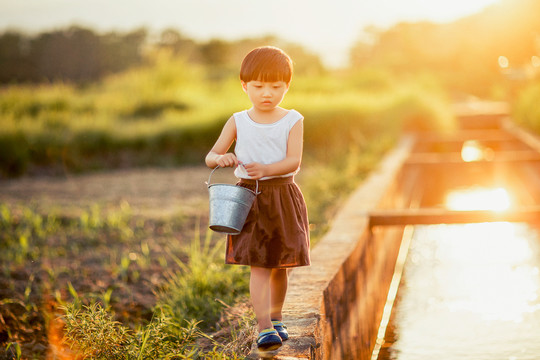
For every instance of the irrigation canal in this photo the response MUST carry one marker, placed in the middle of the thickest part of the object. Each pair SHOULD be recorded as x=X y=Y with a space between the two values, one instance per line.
x=467 y=279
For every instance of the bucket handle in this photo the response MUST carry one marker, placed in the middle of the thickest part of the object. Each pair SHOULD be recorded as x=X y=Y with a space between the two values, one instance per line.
x=217 y=167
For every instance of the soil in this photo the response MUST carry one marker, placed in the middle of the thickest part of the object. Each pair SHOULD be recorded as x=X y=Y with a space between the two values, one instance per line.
x=153 y=192
x=169 y=202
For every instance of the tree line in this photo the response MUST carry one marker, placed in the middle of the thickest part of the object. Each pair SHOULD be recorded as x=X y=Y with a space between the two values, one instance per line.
x=80 y=55
x=76 y=54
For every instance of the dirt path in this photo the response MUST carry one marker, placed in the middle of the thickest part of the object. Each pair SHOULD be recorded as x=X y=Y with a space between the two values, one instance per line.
x=152 y=192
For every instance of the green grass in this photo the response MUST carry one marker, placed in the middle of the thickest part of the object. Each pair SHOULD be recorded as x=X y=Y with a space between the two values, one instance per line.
x=198 y=290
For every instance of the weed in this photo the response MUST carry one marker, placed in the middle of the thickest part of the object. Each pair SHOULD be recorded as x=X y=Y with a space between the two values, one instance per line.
x=236 y=332
x=187 y=293
x=95 y=333
x=23 y=233
x=13 y=350
x=74 y=294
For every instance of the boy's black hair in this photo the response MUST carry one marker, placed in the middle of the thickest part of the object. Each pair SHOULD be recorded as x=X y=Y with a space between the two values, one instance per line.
x=266 y=63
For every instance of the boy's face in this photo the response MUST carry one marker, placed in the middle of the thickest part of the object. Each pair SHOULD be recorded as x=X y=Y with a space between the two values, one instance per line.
x=265 y=96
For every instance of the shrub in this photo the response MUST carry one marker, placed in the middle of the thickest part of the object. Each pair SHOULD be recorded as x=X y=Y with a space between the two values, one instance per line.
x=526 y=110
x=14 y=154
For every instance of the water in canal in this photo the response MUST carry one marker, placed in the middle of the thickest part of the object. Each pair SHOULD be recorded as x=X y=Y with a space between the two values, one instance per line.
x=468 y=292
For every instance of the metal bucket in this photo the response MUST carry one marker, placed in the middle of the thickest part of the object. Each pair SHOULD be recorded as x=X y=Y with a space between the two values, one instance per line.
x=229 y=206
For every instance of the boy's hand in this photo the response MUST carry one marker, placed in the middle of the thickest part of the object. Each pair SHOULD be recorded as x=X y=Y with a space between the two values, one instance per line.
x=255 y=170
x=227 y=160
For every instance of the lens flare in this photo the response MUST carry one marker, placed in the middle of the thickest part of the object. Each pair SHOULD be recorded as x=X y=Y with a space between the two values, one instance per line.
x=471 y=151
x=503 y=62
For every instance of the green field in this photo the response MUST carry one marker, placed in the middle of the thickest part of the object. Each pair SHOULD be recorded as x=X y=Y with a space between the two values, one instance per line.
x=169 y=113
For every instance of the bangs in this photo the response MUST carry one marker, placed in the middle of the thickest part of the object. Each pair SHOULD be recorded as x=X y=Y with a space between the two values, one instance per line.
x=268 y=64
x=266 y=75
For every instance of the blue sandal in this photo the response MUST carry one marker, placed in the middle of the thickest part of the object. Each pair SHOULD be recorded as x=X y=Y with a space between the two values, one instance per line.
x=281 y=329
x=268 y=340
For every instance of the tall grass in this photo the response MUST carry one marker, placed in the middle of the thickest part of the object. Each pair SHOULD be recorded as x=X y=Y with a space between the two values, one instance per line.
x=92 y=331
x=169 y=113
x=199 y=289
x=161 y=114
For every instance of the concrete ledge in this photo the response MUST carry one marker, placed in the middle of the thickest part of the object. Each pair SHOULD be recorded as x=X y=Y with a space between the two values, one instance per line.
x=333 y=306
x=428 y=216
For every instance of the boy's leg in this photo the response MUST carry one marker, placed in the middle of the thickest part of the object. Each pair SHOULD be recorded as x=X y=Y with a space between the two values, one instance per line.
x=259 y=289
x=279 y=281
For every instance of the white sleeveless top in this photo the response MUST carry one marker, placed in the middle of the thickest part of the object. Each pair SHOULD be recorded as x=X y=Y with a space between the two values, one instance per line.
x=262 y=143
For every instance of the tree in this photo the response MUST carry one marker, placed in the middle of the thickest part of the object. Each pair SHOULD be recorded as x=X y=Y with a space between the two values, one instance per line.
x=15 y=65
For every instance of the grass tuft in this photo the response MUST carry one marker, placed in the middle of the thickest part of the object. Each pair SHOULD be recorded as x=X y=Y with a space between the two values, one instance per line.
x=203 y=284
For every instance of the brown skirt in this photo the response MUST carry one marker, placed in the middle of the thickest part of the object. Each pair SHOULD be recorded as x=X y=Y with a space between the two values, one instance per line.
x=276 y=231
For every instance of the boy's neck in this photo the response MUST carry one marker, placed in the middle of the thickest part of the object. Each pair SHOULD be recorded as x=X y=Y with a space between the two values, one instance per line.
x=267 y=117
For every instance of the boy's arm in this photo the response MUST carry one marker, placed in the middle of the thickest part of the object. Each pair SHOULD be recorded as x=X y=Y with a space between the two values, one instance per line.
x=291 y=162
x=218 y=155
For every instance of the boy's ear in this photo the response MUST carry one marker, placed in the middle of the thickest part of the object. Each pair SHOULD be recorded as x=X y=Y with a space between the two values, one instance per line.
x=244 y=86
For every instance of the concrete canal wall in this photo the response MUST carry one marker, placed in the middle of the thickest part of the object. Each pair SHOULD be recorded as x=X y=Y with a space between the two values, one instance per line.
x=334 y=307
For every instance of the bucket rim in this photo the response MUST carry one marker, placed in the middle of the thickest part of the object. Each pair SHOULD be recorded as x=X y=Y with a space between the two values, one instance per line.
x=235 y=186
x=208 y=184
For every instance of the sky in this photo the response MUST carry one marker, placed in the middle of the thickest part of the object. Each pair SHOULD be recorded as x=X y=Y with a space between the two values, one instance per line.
x=326 y=27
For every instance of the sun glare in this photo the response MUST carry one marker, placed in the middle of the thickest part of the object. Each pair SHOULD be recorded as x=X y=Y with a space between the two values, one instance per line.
x=494 y=270
x=473 y=150
x=444 y=10
x=470 y=291
x=496 y=199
